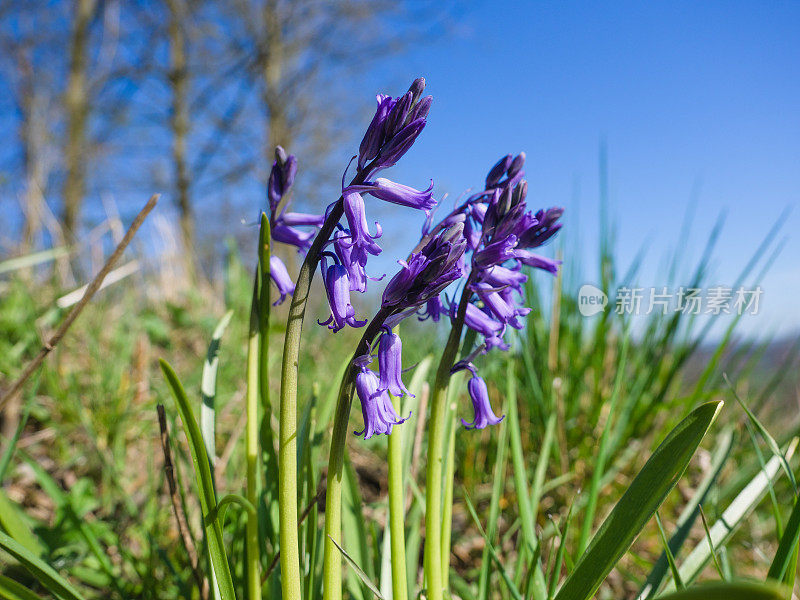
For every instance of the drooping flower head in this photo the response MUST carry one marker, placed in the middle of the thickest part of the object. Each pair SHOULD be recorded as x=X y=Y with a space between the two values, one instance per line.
x=376 y=406
x=337 y=288
x=500 y=234
x=393 y=130
x=281 y=279
x=483 y=414
x=390 y=363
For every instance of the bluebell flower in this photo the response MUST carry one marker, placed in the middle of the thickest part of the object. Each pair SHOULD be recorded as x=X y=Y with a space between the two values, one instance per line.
x=337 y=288
x=496 y=252
x=434 y=308
x=501 y=305
x=360 y=238
x=280 y=276
x=528 y=258
x=397 y=193
x=499 y=276
x=390 y=364
x=376 y=406
x=483 y=414
x=291 y=236
x=356 y=272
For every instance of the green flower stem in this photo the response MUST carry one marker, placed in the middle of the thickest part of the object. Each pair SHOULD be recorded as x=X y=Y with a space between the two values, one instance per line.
x=332 y=562
x=396 y=512
x=447 y=504
x=251 y=444
x=287 y=436
x=264 y=310
x=436 y=431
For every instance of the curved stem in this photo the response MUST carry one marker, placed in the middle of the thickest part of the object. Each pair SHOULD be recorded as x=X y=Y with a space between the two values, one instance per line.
x=287 y=436
x=436 y=431
x=332 y=562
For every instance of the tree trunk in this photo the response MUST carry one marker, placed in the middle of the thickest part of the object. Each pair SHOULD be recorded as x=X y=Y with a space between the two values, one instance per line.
x=178 y=77
x=272 y=71
x=77 y=110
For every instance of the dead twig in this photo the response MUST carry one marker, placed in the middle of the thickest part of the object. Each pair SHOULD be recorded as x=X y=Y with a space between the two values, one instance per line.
x=177 y=507
x=91 y=289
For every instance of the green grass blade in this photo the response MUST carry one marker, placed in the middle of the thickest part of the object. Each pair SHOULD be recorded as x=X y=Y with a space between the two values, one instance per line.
x=358 y=571
x=494 y=509
x=637 y=506
x=711 y=543
x=354 y=529
x=787 y=546
x=11 y=445
x=205 y=484
x=771 y=443
x=43 y=572
x=31 y=260
x=737 y=510
x=526 y=511
x=12 y=590
x=602 y=452
x=730 y=590
x=492 y=552
x=670 y=558
x=562 y=546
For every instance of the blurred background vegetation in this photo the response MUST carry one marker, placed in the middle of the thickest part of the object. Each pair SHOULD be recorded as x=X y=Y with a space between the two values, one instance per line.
x=191 y=96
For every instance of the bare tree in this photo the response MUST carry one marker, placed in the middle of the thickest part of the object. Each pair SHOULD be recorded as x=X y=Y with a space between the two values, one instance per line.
x=179 y=121
x=76 y=105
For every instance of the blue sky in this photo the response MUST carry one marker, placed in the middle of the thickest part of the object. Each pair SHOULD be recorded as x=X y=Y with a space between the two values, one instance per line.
x=697 y=102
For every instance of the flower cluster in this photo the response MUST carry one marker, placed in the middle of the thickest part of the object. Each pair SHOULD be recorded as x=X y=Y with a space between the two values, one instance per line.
x=395 y=126
x=485 y=241
x=501 y=234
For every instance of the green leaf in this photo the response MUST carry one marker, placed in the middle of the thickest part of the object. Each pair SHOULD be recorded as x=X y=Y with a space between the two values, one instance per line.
x=205 y=485
x=787 y=545
x=12 y=590
x=637 y=506
x=43 y=572
x=730 y=590
x=359 y=571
